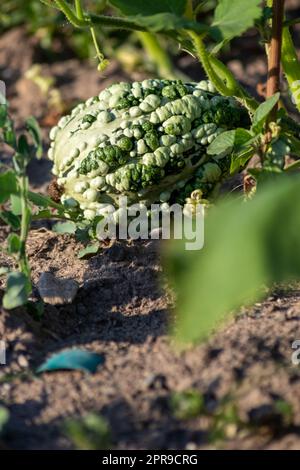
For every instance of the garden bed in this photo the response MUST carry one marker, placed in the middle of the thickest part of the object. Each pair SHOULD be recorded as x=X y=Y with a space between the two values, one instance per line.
x=121 y=312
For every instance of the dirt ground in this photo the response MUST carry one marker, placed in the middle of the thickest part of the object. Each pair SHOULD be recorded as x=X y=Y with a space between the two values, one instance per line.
x=251 y=388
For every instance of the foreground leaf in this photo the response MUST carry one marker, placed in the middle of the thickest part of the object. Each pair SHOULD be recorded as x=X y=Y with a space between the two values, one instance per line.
x=73 y=359
x=92 y=432
x=17 y=290
x=248 y=245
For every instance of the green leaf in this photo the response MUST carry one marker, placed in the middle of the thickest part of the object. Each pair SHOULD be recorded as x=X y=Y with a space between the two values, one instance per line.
x=89 y=250
x=10 y=219
x=234 y=17
x=240 y=159
x=187 y=404
x=248 y=245
x=23 y=146
x=293 y=143
x=9 y=133
x=3 y=114
x=34 y=130
x=262 y=113
x=43 y=214
x=64 y=227
x=8 y=185
x=167 y=22
x=225 y=142
x=43 y=201
x=17 y=290
x=13 y=243
x=16 y=204
x=276 y=153
x=142 y=7
x=91 y=432
x=72 y=359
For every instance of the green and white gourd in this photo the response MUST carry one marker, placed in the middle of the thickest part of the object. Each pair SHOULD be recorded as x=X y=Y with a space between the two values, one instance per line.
x=146 y=140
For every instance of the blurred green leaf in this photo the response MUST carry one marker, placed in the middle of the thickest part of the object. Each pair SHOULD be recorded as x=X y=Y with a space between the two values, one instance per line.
x=187 y=404
x=9 y=135
x=89 y=250
x=43 y=201
x=17 y=290
x=136 y=7
x=13 y=243
x=248 y=245
x=10 y=219
x=3 y=114
x=15 y=204
x=91 y=432
x=23 y=146
x=4 y=416
x=64 y=227
x=34 y=130
x=8 y=185
x=167 y=22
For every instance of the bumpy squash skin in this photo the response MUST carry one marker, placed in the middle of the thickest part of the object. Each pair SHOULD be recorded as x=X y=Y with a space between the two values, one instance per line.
x=146 y=140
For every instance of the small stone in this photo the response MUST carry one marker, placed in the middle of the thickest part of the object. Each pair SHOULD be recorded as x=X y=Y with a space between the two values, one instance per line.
x=57 y=291
x=22 y=361
x=156 y=382
x=264 y=414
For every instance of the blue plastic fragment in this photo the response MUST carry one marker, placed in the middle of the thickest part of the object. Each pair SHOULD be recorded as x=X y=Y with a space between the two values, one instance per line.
x=72 y=359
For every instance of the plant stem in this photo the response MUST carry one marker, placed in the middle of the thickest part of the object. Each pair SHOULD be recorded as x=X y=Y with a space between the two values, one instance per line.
x=157 y=54
x=94 y=37
x=79 y=10
x=116 y=22
x=234 y=88
x=220 y=76
x=71 y=15
x=204 y=58
x=273 y=82
x=25 y=224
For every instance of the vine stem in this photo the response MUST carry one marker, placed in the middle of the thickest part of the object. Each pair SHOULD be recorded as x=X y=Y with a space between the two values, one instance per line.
x=274 y=56
x=71 y=15
x=203 y=56
x=157 y=54
x=79 y=9
x=220 y=76
x=25 y=223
